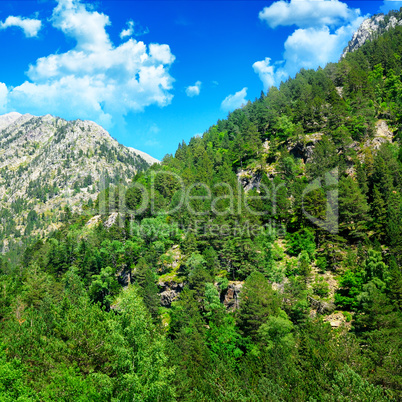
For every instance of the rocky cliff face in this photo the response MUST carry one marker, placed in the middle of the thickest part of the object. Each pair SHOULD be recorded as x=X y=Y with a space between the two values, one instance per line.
x=369 y=29
x=47 y=163
x=231 y=296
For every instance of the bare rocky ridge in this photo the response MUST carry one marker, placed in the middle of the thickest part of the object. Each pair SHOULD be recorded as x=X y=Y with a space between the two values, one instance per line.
x=7 y=119
x=47 y=163
x=369 y=29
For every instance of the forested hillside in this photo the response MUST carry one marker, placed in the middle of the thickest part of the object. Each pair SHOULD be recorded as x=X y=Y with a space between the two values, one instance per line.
x=261 y=262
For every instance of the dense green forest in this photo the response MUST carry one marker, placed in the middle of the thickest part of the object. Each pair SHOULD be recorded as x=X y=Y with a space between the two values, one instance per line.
x=80 y=312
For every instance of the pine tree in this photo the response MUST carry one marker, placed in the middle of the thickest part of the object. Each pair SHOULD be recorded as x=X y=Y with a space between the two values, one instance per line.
x=148 y=289
x=353 y=209
x=382 y=177
x=378 y=213
x=258 y=302
x=361 y=177
x=393 y=226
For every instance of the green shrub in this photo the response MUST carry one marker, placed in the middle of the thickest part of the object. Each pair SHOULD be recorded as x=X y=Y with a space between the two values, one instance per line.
x=303 y=240
x=321 y=288
x=347 y=316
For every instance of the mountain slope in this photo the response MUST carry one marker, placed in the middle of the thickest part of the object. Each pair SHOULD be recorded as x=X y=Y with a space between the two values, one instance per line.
x=317 y=312
x=47 y=163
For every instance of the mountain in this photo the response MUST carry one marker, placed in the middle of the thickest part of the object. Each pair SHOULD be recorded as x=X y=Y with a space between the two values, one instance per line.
x=47 y=163
x=372 y=28
x=7 y=119
x=260 y=262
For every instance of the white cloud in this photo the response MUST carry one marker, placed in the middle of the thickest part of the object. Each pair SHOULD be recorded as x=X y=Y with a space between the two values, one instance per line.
x=30 y=26
x=161 y=53
x=132 y=31
x=194 y=90
x=390 y=5
x=3 y=97
x=267 y=73
x=313 y=47
x=308 y=47
x=129 y=31
x=86 y=27
x=235 y=101
x=94 y=80
x=307 y=13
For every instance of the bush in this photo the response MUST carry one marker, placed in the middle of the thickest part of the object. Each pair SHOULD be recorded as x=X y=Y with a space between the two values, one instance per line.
x=321 y=288
x=303 y=240
x=347 y=316
x=322 y=264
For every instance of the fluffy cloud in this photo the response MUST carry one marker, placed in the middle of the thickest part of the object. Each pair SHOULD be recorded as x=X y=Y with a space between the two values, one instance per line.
x=268 y=74
x=94 y=80
x=3 y=97
x=193 y=90
x=390 y=5
x=307 y=13
x=129 y=31
x=132 y=31
x=313 y=47
x=235 y=101
x=309 y=47
x=31 y=27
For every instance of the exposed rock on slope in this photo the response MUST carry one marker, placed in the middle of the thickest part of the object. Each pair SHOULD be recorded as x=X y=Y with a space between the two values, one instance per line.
x=248 y=179
x=230 y=297
x=170 y=292
x=147 y=158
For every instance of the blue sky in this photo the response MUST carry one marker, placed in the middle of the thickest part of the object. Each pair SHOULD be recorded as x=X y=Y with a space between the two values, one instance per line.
x=156 y=72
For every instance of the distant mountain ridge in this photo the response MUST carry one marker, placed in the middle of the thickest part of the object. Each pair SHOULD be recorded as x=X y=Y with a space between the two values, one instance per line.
x=47 y=163
x=8 y=119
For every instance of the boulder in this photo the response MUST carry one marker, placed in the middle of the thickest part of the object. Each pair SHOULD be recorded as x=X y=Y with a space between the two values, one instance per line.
x=321 y=307
x=230 y=297
x=170 y=292
x=167 y=297
x=248 y=179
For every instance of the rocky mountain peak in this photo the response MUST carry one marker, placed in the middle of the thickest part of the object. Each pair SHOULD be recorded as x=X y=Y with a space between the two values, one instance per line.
x=47 y=163
x=371 y=28
x=9 y=118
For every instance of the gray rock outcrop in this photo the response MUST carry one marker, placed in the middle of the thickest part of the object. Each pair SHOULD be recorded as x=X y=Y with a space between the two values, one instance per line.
x=369 y=29
x=321 y=306
x=231 y=296
x=248 y=179
x=170 y=292
x=304 y=149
